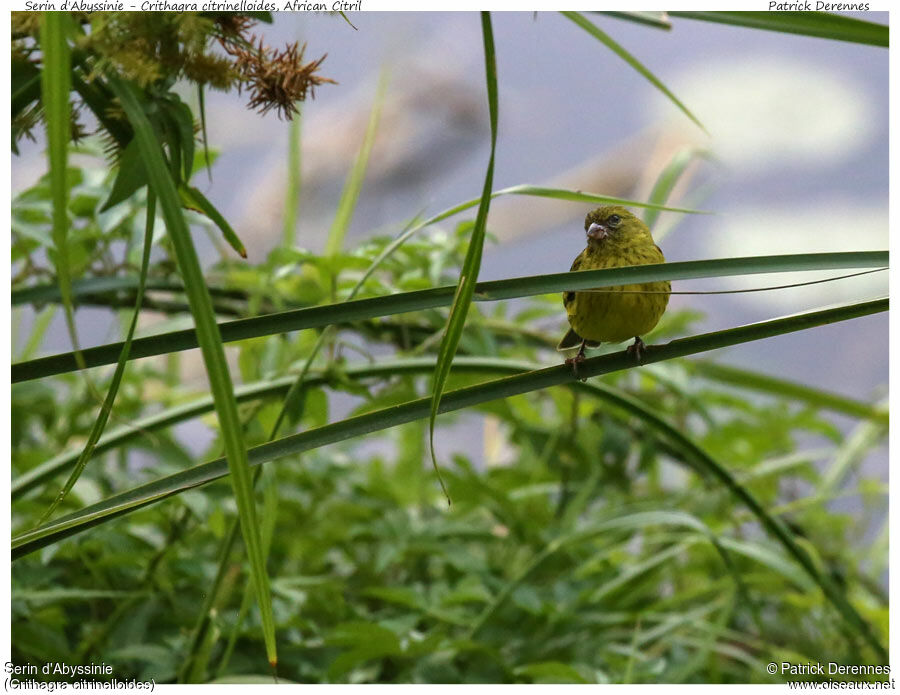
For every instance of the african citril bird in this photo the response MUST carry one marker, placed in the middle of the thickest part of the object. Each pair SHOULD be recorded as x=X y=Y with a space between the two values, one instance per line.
x=615 y=238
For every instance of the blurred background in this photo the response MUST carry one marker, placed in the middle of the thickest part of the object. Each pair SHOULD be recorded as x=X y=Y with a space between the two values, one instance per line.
x=796 y=158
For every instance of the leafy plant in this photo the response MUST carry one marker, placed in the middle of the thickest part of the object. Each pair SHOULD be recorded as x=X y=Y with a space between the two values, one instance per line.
x=672 y=523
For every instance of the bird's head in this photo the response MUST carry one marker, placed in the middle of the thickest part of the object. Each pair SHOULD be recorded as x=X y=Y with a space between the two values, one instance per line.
x=613 y=224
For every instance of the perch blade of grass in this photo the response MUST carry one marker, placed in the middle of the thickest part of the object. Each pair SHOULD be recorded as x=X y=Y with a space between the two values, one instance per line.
x=521 y=382
x=556 y=375
x=360 y=309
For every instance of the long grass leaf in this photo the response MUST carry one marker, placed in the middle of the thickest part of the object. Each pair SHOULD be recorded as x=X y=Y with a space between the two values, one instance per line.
x=607 y=41
x=84 y=287
x=764 y=383
x=47 y=293
x=294 y=180
x=521 y=382
x=824 y=25
x=193 y=198
x=772 y=524
x=38 y=330
x=465 y=290
x=55 y=87
x=350 y=195
x=525 y=382
x=850 y=455
x=109 y=401
x=210 y=343
x=667 y=179
x=361 y=309
x=131 y=177
x=638 y=521
x=201 y=105
x=522 y=189
x=657 y=20
x=296 y=394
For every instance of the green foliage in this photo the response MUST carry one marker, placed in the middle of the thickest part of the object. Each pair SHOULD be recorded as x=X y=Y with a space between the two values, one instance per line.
x=673 y=523
x=555 y=564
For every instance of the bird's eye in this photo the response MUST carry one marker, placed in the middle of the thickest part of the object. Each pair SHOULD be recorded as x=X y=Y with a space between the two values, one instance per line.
x=613 y=220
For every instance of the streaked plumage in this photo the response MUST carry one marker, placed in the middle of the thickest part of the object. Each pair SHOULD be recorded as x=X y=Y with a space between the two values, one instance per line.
x=615 y=238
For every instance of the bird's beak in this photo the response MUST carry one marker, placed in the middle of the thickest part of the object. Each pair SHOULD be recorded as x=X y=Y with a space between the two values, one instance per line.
x=597 y=231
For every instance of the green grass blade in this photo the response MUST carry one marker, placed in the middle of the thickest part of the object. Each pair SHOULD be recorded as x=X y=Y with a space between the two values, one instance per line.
x=462 y=299
x=525 y=382
x=773 y=524
x=523 y=189
x=607 y=41
x=97 y=95
x=48 y=293
x=55 y=87
x=764 y=383
x=38 y=330
x=294 y=180
x=210 y=342
x=25 y=85
x=184 y=120
x=592 y=198
x=295 y=397
x=201 y=104
x=657 y=20
x=360 y=309
x=350 y=194
x=131 y=177
x=667 y=179
x=850 y=455
x=640 y=520
x=84 y=287
x=109 y=401
x=521 y=382
x=193 y=198
x=821 y=24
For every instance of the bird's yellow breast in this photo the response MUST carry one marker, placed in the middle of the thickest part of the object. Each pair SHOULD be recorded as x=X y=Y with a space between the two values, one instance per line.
x=612 y=314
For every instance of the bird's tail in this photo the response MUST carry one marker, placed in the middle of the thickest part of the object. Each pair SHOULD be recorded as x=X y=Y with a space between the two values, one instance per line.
x=572 y=340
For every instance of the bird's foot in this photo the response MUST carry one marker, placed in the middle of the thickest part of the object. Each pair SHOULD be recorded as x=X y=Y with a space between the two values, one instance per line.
x=573 y=362
x=637 y=349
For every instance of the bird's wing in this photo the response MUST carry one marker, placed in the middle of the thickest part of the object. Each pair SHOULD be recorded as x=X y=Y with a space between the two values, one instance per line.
x=569 y=297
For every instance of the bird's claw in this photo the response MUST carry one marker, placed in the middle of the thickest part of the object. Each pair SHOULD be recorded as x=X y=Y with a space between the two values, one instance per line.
x=637 y=349
x=573 y=362
x=578 y=359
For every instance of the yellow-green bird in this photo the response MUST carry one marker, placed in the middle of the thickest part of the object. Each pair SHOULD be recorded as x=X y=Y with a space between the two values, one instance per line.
x=615 y=238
